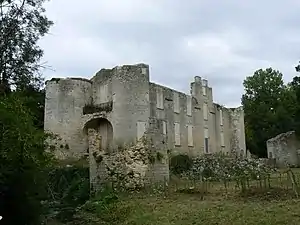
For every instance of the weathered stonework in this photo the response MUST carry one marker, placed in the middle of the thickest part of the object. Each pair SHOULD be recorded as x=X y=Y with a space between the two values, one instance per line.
x=122 y=105
x=236 y=116
x=285 y=149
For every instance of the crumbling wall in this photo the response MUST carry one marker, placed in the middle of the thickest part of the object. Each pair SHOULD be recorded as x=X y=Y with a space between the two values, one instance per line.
x=130 y=166
x=284 y=149
x=237 y=131
x=64 y=102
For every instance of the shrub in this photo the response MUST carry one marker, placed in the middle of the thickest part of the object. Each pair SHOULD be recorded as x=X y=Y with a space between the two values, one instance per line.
x=219 y=167
x=180 y=164
x=23 y=164
x=68 y=188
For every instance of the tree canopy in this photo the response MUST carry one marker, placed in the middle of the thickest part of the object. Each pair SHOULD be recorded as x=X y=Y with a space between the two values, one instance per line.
x=22 y=157
x=22 y=24
x=269 y=107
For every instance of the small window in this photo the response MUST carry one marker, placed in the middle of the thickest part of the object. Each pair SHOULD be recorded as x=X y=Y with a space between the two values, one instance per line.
x=176 y=102
x=159 y=98
x=206 y=143
x=270 y=155
x=205 y=111
x=189 y=106
x=164 y=127
x=177 y=134
x=221 y=117
x=222 y=139
x=190 y=135
x=204 y=90
x=103 y=93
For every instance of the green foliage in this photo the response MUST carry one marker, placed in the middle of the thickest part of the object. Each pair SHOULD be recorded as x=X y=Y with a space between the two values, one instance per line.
x=269 y=108
x=295 y=87
x=23 y=164
x=220 y=167
x=22 y=25
x=159 y=156
x=34 y=100
x=68 y=188
x=105 y=208
x=180 y=164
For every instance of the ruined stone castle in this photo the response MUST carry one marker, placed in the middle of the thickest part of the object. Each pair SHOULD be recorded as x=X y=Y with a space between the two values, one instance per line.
x=123 y=106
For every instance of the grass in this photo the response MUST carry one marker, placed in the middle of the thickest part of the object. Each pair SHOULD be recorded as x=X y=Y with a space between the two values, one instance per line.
x=257 y=206
x=190 y=209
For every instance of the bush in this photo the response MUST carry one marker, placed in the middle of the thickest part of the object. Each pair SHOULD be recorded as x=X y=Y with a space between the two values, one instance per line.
x=219 y=167
x=180 y=164
x=23 y=164
x=68 y=188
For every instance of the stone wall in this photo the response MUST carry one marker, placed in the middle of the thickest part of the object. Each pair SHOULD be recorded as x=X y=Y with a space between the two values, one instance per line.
x=284 y=148
x=133 y=107
x=237 y=131
x=64 y=102
x=225 y=127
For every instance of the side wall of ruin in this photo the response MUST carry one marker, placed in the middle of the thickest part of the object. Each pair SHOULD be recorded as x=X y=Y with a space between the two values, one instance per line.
x=284 y=148
x=193 y=124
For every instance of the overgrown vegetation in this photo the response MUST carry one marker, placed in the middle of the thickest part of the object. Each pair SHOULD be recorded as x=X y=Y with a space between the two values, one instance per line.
x=23 y=164
x=103 y=107
x=68 y=188
x=270 y=107
x=35 y=189
x=180 y=163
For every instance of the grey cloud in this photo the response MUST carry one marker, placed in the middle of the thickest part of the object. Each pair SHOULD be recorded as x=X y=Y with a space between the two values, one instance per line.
x=222 y=41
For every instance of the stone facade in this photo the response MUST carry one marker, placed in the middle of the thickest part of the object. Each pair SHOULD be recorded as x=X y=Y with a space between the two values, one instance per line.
x=122 y=105
x=285 y=149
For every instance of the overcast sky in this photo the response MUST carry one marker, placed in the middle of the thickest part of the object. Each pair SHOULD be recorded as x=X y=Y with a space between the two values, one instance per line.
x=222 y=41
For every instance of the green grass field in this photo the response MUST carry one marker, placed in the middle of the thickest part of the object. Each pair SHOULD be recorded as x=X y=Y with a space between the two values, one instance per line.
x=190 y=209
x=277 y=205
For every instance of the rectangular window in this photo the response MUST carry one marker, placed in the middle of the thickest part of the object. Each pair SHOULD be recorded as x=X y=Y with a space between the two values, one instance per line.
x=104 y=93
x=159 y=98
x=164 y=124
x=204 y=90
x=177 y=134
x=189 y=106
x=221 y=117
x=206 y=144
x=176 y=102
x=141 y=129
x=205 y=111
x=190 y=135
x=270 y=155
x=222 y=139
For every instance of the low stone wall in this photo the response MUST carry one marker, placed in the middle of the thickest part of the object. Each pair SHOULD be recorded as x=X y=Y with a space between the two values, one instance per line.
x=284 y=149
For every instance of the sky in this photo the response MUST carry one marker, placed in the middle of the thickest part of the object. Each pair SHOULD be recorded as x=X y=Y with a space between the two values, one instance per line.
x=221 y=41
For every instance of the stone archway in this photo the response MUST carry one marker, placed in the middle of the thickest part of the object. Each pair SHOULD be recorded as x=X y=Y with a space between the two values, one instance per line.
x=100 y=132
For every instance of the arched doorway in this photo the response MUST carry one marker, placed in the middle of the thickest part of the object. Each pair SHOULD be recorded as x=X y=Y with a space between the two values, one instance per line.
x=102 y=131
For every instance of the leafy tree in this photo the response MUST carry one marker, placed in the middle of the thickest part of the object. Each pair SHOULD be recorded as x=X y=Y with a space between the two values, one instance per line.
x=22 y=164
x=295 y=86
x=268 y=106
x=22 y=156
x=22 y=24
x=34 y=100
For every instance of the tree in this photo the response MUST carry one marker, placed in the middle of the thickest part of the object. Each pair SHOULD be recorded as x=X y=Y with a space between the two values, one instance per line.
x=267 y=105
x=22 y=24
x=295 y=86
x=22 y=164
x=34 y=100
